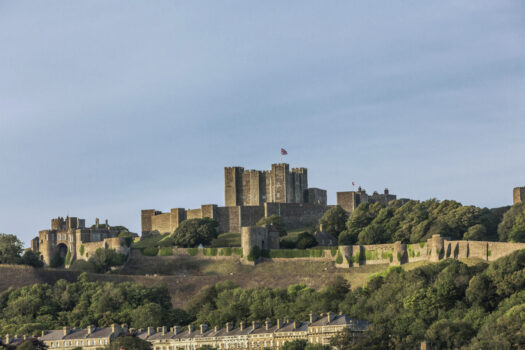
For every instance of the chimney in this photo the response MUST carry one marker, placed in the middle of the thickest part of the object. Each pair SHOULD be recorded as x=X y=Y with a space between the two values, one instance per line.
x=151 y=331
x=124 y=328
x=25 y=337
x=114 y=328
x=190 y=328
x=254 y=325
x=90 y=329
x=313 y=317
x=241 y=325
x=7 y=339
x=330 y=316
x=66 y=331
x=295 y=324
x=204 y=328
x=176 y=329
x=43 y=333
x=163 y=330
x=321 y=228
x=216 y=328
x=279 y=324
x=228 y=326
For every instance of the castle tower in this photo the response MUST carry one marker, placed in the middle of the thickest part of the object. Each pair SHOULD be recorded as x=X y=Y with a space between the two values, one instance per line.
x=519 y=195
x=233 y=186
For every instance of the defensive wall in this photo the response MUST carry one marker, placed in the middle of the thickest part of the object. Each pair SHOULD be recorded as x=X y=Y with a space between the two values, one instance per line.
x=434 y=249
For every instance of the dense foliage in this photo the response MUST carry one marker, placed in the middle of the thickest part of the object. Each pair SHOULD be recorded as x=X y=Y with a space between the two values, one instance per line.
x=193 y=232
x=79 y=304
x=129 y=343
x=449 y=303
x=275 y=221
x=416 y=221
x=512 y=226
x=334 y=221
x=12 y=252
x=102 y=261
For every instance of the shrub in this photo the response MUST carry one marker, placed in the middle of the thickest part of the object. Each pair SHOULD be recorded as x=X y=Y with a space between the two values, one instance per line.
x=306 y=240
x=150 y=251
x=68 y=258
x=81 y=250
x=104 y=259
x=83 y=266
x=295 y=253
x=255 y=253
x=339 y=258
x=210 y=251
x=193 y=251
x=333 y=252
x=56 y=261
x=287 y=244
x=347 y=238
x=165 y=251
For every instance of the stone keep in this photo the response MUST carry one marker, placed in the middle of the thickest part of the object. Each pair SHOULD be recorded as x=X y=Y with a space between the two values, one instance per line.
x=350 y=200
x=519 y=195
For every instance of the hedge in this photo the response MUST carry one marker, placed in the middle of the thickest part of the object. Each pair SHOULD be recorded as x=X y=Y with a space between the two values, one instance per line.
x=296 y=253
x=193 y=251
x=165 y=251
x=339 y=258
x=150 y=251
x=210 y=251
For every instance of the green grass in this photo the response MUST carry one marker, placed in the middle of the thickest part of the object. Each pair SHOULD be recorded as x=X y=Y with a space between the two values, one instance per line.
x=228 y=239
x=150 y=242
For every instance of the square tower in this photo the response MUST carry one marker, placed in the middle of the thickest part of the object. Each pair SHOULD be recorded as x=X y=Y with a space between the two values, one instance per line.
x=233 y=186
x=519 y=195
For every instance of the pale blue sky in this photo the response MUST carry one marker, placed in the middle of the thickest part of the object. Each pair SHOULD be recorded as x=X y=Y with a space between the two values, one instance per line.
x=107 y=108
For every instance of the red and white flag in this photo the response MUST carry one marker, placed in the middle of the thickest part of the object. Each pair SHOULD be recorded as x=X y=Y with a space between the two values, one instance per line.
x=283 y=152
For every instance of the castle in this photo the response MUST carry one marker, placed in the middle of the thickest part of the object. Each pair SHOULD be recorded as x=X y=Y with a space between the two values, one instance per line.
x=71 y=236
x=250 y=195
x=350 y=200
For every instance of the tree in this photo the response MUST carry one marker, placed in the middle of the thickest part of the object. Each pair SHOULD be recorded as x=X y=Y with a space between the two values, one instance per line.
x=32 y=258
x=477 y=232
x=10 y=249
x=275 y=221
x=299 y=344
x=193 y=232
x=305 y=240
x=32 y=344
x=104 y=259
x=334 y=220
x=373 y=234
x=129 y=342
x=347 y=238
x=448 y=334
x=512 y=223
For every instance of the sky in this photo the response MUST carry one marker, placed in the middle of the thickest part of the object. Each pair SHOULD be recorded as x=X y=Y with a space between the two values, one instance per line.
x=107 y=108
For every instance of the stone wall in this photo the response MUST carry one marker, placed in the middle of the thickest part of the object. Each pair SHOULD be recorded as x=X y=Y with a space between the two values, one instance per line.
x=296 y=215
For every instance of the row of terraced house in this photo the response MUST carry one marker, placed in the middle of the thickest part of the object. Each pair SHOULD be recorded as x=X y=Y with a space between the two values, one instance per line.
x=319 y=330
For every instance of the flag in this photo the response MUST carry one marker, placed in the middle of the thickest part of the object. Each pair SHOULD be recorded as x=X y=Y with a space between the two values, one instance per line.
x=353 y=184
x=283 y=152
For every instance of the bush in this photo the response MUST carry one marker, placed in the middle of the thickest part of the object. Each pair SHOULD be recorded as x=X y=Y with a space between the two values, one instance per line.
x=210 y=251
x=287 y=244
x=255 y=253
x=193 y=232
x=150 y=251
x=306 y=240
x=295 y=253
x=81 y=250
x=275 y=221
x=68 y=258
x=105 y=259
x=347 y=238
x=56 y=261
x=339 y=258
x=476 y=233
x=193 y=251
x=32 y=258
x=165 y=251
